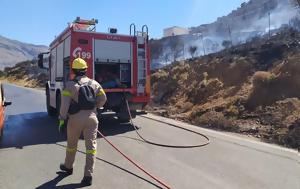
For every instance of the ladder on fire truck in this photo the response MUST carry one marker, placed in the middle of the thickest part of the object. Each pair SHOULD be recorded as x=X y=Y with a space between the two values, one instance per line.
x=142 y=37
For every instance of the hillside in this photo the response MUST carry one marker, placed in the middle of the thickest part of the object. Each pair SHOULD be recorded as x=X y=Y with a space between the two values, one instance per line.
x=251 y=88
x=26 y=73
x=251 y=16
x=12 y=52
x=248 y=21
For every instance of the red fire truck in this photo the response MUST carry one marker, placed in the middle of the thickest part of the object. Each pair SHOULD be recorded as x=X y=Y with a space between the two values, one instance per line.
x=120 y=63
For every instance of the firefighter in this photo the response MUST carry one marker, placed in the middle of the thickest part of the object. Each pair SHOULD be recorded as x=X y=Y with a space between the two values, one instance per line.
x=82 y=117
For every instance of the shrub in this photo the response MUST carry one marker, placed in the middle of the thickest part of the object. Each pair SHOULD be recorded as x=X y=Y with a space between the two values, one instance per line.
x=217 y=120
x=260 y=78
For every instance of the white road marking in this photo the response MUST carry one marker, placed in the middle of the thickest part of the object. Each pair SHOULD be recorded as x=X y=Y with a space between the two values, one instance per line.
x=257 y=145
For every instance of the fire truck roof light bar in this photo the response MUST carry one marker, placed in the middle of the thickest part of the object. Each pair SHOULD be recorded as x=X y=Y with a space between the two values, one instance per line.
x=86 y=22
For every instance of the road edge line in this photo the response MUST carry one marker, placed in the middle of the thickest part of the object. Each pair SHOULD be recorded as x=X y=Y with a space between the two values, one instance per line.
x=257 y=145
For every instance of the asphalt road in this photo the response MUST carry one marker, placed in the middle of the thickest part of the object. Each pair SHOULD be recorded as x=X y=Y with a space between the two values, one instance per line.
x=32 y=149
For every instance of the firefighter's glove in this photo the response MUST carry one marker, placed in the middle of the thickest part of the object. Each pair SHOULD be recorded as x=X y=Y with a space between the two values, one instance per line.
x=61 y=126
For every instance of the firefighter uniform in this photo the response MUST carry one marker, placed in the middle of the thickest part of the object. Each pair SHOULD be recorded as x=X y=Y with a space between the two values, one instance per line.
x=84 y=121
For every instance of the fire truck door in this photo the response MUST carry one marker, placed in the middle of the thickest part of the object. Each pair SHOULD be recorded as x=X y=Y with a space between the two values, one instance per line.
x=52 y=67
x=67 y=71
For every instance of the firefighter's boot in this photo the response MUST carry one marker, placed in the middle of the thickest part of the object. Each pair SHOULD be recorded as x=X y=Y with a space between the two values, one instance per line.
x=65 y=169
x=87 y=181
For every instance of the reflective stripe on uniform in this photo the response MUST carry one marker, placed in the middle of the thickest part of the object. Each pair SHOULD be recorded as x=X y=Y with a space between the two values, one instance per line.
x=93 y=152
x=71 y=149
x=101 y=92
x=66 y=93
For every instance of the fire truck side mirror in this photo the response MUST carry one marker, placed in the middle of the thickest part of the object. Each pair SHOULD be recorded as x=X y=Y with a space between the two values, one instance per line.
x=40 y=61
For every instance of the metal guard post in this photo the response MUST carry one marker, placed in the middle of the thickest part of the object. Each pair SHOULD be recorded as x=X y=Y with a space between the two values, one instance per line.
x=145 y=26
x=133 y=29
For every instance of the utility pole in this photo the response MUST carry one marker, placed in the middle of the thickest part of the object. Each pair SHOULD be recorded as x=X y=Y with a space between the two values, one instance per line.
x=201 y=37
x=183 y=51
x=269 y=25
x=230 y=35
x=203 y=44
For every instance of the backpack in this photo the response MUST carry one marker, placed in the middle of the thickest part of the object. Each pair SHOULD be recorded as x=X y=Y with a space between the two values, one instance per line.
x=86 y=98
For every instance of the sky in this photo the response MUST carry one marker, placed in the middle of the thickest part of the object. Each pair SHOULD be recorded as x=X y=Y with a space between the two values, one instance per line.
x=39 y=21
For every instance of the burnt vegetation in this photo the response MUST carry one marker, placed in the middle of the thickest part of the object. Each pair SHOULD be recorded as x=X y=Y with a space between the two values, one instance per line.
x=251 y=88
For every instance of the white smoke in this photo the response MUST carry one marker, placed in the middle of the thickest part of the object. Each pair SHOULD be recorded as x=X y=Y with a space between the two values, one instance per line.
x=280 y=16
x=238 y=31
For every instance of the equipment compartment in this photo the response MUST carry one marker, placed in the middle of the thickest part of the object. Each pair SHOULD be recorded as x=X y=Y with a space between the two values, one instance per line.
x=113 y=75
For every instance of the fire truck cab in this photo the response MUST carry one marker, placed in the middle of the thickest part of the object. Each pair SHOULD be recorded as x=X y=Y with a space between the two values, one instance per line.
x=120 y=63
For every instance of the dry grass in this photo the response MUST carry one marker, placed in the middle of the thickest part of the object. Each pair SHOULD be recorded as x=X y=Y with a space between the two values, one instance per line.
x=216 y=120
x=255 y=84
x=261 y=78
x=25 y=82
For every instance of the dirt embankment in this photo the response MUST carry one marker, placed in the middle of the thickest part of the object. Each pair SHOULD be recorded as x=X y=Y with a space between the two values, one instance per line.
x=25 y=74
x=252 y=88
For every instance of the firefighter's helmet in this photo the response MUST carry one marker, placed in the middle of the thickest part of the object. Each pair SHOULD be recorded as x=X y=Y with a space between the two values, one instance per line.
x=79 y=64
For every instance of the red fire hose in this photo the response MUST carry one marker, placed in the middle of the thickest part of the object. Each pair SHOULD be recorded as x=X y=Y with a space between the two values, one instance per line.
x=135 y=164
x=153 y=143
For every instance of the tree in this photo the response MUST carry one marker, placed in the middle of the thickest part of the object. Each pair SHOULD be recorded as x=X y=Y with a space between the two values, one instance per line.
x=166 y=58
x=215 y=47
x=156 y=48
x=176 y=45
x=295 y=3
x=243 y=4
x=295 y=23
x=192 y=50
x=226 y=44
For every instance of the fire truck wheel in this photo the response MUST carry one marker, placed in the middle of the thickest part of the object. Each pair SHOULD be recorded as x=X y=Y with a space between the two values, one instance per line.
x=1 y=133
x=122 y=119
x=50 y=110
x=123 y=115
x=58 y=103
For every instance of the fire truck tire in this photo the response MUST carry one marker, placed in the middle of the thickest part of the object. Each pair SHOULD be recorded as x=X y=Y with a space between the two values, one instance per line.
x=58 y=102
x=50 y=110
x=1 y=133
x=122 y=119
x=123 y=115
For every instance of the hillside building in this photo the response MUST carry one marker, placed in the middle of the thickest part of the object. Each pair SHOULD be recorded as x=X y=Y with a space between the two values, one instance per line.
x=175 y=30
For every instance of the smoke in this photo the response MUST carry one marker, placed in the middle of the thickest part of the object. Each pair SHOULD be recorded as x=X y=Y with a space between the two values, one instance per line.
x=259 y=17
x=281 y=15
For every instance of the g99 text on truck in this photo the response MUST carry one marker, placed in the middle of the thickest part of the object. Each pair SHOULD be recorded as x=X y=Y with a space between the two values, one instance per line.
x=120 y=63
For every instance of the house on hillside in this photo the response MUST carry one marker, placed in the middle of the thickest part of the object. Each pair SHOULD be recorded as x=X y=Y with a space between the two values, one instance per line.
x=175 y=30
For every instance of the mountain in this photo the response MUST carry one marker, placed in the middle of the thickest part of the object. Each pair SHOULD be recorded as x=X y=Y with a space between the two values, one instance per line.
x=13 y=51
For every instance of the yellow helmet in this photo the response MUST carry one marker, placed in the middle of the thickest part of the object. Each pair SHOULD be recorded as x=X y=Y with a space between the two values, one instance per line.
x=79 y=64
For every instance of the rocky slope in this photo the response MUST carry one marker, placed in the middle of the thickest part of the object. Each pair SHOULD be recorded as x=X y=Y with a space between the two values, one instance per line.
x=12 y=52
x=26 y=74
x=251 y=88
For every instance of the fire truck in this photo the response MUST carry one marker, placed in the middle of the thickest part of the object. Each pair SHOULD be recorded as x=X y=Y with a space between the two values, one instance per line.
x=120 y=63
